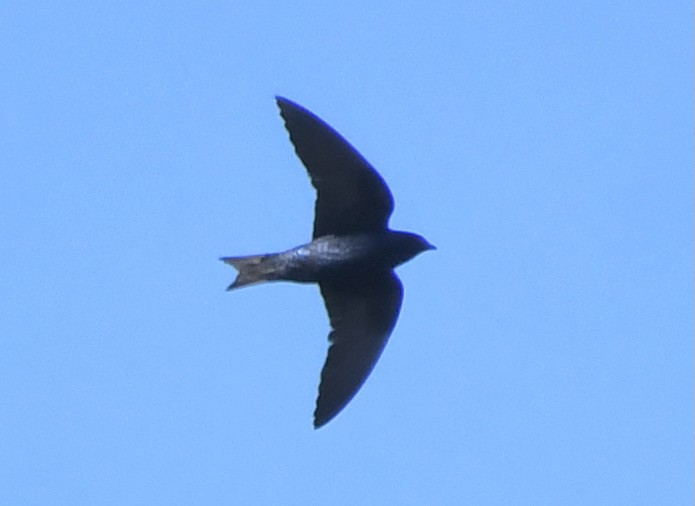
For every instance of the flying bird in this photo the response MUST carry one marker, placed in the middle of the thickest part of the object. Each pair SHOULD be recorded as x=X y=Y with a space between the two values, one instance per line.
x=351 y=256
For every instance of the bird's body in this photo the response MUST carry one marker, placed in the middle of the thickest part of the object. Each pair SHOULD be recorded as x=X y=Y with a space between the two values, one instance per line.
x=351 y=257
x=328 y=258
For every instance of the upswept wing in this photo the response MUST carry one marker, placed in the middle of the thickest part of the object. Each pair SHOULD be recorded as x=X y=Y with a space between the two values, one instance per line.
x=352 y=197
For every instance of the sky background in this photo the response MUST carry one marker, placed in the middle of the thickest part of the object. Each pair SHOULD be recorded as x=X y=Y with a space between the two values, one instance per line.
x=544 y=353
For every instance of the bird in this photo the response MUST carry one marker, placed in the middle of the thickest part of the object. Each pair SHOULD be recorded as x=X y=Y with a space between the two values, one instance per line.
x=352 y=256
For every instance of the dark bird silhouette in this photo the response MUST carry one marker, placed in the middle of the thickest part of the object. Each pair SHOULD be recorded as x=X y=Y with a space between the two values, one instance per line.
x=351 y=257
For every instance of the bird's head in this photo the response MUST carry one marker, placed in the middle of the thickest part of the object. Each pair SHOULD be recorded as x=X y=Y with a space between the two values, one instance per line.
x=407 y=245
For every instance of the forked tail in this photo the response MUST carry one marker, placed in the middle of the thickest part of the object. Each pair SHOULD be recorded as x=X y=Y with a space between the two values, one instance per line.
x=252 y=269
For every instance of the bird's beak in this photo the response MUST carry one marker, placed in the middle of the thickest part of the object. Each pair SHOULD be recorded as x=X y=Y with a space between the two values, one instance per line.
x=431 y=246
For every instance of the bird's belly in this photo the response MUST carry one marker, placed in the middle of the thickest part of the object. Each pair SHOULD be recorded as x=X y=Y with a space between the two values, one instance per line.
x=321 y=260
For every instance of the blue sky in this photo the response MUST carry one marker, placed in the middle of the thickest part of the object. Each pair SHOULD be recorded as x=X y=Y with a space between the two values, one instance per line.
x=544 y=353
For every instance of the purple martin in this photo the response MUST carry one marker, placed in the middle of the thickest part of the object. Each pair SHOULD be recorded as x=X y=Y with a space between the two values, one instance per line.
x=351 y=256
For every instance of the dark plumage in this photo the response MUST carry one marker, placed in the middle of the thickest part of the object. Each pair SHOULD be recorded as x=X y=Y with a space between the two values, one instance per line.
x=351 y=256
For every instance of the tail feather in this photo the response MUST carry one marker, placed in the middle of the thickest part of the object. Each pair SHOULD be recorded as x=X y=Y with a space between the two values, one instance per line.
x=251 y=270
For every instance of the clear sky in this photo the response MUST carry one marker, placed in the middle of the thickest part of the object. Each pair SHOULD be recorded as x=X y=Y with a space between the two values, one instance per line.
x=544 y=353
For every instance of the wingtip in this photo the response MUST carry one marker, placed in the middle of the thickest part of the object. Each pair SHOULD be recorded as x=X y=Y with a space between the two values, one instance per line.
x=288 y=106
x=282 y=101
x=320 y=422
x=322 y=416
